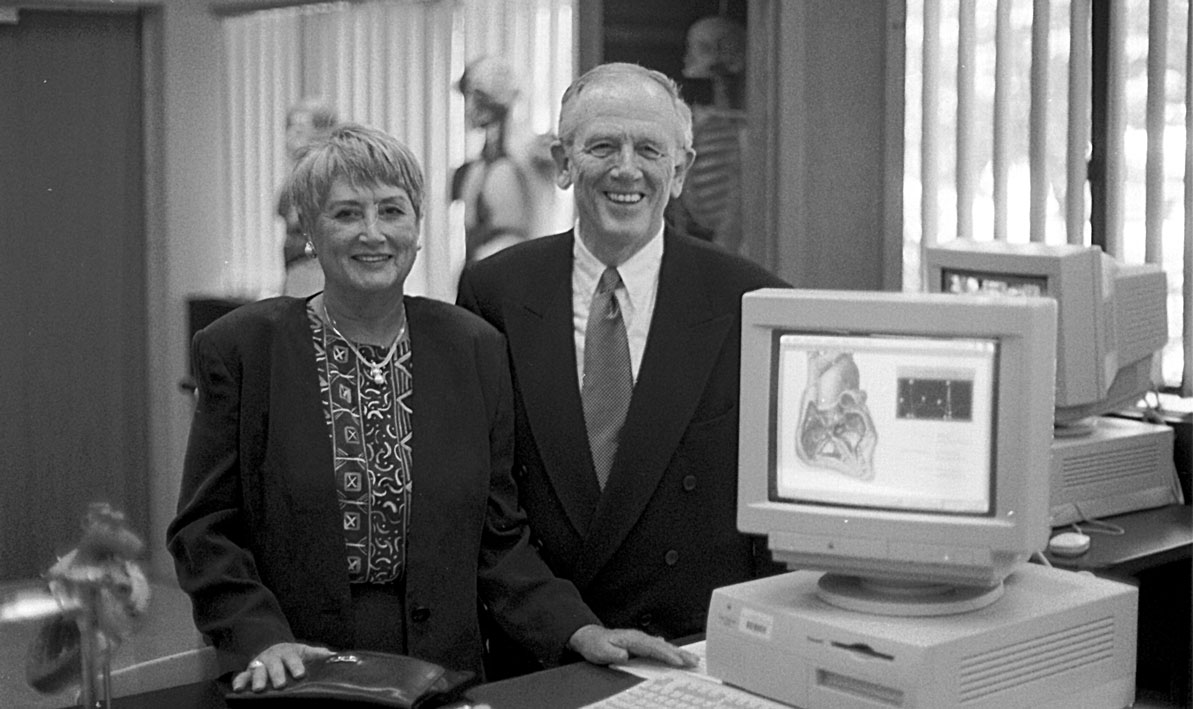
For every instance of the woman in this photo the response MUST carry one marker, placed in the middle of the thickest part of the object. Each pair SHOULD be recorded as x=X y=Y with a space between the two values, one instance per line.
x=347 y=480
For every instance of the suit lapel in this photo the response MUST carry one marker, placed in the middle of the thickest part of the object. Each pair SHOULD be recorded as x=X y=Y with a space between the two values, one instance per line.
x=540 y=332
x=686 y=335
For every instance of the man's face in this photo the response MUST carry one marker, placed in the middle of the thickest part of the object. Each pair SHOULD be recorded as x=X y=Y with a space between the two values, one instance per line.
x=625 y=161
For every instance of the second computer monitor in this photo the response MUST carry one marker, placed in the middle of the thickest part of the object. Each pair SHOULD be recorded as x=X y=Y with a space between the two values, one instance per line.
x=1111 y=317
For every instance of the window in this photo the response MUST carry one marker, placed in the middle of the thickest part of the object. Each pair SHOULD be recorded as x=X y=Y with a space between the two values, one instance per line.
x=391 y=64
x=1060 y=121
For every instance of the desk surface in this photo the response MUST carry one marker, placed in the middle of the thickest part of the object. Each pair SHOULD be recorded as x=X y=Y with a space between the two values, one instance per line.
x=572 y=685
x=569 y=686
x=1150 y=538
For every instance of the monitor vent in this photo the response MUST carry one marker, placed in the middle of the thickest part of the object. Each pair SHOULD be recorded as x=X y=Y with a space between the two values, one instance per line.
x=1141 y=322
x=1034 y=660
x=1141 y=318
x=1113 y=465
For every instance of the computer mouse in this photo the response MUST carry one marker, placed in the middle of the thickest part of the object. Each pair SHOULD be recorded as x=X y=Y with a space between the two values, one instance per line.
x=1069 y=544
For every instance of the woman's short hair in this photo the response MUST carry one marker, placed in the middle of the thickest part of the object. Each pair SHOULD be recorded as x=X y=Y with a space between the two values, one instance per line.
x=614 y=72
x=364 y=156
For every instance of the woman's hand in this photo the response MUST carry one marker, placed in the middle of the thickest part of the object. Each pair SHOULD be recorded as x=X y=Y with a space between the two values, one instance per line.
x=274 y=662
x=602 y=646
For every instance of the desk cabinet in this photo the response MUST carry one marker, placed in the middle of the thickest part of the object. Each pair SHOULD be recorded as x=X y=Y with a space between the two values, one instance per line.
x=1153 y=553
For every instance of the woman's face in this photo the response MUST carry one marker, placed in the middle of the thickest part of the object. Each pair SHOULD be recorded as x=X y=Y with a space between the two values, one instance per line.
x=366 y=238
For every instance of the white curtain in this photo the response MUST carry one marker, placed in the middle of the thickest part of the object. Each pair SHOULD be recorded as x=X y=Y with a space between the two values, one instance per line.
x=390 y=64
x=1024 y=109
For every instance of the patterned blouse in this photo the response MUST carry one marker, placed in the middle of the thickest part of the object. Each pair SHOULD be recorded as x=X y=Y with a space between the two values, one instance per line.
x=370 y=429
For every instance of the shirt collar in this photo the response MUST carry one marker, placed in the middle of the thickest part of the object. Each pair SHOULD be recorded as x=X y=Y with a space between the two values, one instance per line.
x=639 y=273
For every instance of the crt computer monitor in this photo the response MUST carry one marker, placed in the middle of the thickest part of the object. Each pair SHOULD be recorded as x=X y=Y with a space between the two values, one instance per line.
x=1111 y=319
x=897 y=440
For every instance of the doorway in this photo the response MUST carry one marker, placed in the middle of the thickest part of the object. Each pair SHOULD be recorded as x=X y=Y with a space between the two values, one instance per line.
x=73 y=363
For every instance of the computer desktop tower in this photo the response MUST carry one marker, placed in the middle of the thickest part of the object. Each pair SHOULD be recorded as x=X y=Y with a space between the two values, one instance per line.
x=1119 y=466
x=1056 y=639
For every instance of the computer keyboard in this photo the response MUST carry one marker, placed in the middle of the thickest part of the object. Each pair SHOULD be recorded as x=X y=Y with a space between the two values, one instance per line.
x=684 y=691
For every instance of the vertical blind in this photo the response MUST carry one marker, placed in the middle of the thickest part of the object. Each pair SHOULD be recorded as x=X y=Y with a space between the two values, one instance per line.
x=1012 y=79
x=389 y=64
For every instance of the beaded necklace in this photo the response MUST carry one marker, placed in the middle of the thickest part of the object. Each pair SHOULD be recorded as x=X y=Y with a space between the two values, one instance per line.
x=376 y=369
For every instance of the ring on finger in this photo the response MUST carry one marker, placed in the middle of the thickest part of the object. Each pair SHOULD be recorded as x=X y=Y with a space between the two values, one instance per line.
x=255 y=664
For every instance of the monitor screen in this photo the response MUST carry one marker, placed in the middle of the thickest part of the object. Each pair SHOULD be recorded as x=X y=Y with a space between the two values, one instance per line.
x=929 y=400
x=958 y=281
x=898 y=440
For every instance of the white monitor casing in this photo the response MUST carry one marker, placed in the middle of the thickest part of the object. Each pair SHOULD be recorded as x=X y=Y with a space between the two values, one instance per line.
x=965 y=550
x=1112 y=317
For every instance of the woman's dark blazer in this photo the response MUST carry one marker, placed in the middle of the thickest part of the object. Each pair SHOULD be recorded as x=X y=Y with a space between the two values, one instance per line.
x=257 y=540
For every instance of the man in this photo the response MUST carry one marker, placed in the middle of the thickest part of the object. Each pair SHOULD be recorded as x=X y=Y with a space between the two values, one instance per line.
x=647 y=540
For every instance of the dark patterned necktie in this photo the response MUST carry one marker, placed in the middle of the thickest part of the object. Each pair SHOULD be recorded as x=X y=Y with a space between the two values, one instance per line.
x=608 y=380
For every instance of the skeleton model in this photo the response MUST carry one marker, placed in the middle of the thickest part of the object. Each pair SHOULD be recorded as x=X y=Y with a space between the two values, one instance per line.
x=710 y=206
x=836 y=430
x=507 y=191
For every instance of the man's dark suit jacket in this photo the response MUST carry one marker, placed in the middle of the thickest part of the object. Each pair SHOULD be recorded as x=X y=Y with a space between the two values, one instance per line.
x=650 y=550
x=258 y=543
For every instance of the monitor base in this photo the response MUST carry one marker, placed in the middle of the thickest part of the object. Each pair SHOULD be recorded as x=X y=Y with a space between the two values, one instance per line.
x=908 y=600
x=1078 y=428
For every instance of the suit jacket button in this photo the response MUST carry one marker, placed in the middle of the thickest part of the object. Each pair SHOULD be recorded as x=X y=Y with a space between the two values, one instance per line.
x=420 y=614
x=689 y=482
x=671 y=557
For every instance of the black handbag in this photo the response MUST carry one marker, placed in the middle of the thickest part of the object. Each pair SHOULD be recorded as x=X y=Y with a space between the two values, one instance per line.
x=364 y=679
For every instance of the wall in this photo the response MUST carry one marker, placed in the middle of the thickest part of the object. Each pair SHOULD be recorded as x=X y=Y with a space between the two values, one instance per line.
x=191 y=144
x=824 y=204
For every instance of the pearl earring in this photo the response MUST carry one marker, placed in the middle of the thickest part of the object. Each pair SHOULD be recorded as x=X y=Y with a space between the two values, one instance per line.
x=309 y=249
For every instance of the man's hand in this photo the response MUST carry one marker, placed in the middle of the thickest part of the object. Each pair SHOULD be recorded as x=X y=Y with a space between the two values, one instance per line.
x=272 y=664
x=602 y=646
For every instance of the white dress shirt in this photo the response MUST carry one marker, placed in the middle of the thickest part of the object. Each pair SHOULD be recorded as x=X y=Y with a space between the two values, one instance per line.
x=636 y=296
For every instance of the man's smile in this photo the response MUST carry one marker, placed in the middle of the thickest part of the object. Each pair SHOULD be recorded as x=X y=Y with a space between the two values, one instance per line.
x=625 y=197
x=371 y=258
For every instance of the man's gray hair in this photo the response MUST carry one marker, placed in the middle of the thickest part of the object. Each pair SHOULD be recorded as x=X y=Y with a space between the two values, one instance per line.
x=621 y=71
